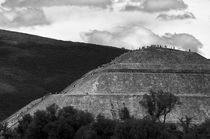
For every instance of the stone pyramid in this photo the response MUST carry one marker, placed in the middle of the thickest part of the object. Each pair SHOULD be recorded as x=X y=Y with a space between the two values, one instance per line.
x=124 y=81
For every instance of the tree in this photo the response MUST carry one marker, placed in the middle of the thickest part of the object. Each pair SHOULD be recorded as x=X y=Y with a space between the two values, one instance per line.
x=124 y=113
x=186 y=123
x=5 y=132
x=59 y=129
x=52 y=111
x=159 y=104
x=203 y=130
x=142 y=129
x=23 y=125
x=75 y=118
x=104 y=127
x=53 y=123
x=86 y=132
x=36 y=127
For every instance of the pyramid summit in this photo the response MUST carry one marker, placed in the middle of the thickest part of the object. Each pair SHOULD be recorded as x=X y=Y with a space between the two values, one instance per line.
x=125 y=80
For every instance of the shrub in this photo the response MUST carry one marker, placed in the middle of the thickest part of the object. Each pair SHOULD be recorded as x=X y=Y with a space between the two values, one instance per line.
x=23 y=125
x=104 y=127
x=53 y=123
x=203 y=130
x=69 y=123
x=5 y=132
x=124 y=114
x=143 y=129
x=135 y=129
x=122 y=130
x=36 y=127
x=64 y=130
x=86 y=132
x=75 y=118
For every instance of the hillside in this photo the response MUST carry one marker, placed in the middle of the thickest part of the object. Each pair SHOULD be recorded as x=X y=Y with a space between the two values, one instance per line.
x=125 y=80
x=31 y=66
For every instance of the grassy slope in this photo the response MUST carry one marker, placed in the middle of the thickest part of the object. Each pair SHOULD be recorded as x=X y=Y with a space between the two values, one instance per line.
x=31 y=66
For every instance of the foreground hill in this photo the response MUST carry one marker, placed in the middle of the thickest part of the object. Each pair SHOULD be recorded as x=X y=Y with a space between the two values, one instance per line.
x=31 y=66
x=124 y=81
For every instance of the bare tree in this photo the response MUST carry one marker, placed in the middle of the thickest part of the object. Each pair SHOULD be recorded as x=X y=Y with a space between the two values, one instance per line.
x=186 y=123
x=159 y=104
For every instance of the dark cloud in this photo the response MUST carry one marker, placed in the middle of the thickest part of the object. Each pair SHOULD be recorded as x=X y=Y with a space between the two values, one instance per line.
x=157 y=6
x=48 y=3
x=23 y=17
x=134 y=36
x=167 y=17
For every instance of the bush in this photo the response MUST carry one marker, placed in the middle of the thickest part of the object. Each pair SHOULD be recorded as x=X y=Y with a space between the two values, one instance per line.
x=104 y=127
x=53 y=123
x=124 y=114
x=75 y=118
x=86 y=132
x=69 y=123
x=143 y=129
x=122 y=130
x=23 y=125
x=36 y=127
x=203 y=130
x=64 y=130
x=5 y=132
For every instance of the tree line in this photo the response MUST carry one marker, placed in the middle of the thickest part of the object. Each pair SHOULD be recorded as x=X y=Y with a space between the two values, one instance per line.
x=70 y=123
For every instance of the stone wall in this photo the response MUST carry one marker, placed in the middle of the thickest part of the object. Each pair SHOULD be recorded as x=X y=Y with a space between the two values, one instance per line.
x=126 y=83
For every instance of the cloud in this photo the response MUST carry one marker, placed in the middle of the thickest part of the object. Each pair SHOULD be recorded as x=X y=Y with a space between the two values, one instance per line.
x=6 y=88
x=3 y=20
x=22 y=17
x=132 y=37
x=156 y=6
x=30 y=17
x=184 y=41
x=49 y=3
x=166 y=17
x=104 y=38
x=128 y=37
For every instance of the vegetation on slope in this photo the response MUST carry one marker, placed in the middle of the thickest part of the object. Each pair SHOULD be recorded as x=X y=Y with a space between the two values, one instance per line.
x=69 y=123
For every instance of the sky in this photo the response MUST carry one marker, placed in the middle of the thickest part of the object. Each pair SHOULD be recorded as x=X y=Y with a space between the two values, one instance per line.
x=184 y=24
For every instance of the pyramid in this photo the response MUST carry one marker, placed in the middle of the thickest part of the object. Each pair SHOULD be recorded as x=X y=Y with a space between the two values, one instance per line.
x=124 y=81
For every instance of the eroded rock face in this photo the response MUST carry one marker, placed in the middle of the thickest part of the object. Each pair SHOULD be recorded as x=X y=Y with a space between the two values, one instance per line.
x=124 y=82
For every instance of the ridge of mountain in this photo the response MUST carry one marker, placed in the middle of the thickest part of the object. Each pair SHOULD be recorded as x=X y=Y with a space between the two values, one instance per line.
x=32 y=66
